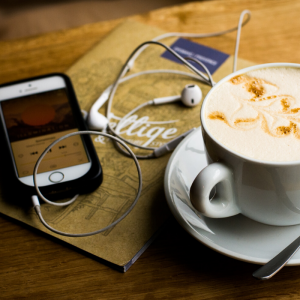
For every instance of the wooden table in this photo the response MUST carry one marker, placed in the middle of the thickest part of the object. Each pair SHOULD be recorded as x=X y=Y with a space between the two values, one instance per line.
x=175 y=266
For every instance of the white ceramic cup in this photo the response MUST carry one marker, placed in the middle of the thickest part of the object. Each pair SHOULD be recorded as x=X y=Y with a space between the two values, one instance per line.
x=267 y=192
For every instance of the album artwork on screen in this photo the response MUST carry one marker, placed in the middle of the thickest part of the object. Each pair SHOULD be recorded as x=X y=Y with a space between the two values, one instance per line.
x=35 y=121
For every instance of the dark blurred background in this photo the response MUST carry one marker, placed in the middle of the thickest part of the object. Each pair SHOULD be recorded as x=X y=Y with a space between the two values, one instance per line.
x=23 y=18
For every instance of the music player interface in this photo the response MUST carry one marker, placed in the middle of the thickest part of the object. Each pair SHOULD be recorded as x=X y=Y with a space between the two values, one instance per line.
x=33 y=122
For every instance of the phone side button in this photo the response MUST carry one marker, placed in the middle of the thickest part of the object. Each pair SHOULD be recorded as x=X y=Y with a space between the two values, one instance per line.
x=56 y=177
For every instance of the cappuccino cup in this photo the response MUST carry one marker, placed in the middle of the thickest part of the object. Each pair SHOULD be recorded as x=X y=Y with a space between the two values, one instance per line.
x=251 y=131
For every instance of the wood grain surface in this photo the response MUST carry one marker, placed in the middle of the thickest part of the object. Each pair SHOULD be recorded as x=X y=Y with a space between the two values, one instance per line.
x=176 y=266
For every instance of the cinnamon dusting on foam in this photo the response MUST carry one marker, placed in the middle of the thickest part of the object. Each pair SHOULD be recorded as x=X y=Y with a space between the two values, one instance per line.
x=257 y=113
x=238 y=79
x=216 y=115
x=286 y=130
x=246 y=122
x=255 y=86
x=285 y=104
x=264 y=126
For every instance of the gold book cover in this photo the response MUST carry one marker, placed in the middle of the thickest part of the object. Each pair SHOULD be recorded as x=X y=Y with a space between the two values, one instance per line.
x=121 y=245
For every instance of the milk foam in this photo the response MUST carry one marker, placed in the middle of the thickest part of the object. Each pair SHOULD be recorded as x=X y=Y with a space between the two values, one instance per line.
x=257 y=114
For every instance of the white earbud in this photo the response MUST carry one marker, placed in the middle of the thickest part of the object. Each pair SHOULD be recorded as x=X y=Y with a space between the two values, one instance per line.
x=95 y=120
x=191 y=95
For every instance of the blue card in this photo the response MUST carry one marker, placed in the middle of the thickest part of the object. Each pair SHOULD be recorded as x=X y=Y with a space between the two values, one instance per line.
x=212 y=58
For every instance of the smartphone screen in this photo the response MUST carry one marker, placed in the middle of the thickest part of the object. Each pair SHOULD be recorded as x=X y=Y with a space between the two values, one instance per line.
x=36 y=120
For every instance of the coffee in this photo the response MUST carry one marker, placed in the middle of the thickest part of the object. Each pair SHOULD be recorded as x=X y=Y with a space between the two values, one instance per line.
x=257 y=114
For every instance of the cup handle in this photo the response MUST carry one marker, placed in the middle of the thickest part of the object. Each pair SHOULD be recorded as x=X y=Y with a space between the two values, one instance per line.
x=223 y=203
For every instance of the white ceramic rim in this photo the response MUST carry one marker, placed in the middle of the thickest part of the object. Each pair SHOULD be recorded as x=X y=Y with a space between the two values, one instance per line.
x=239 y=72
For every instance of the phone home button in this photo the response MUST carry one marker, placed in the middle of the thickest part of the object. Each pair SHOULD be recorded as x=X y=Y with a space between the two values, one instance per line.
x=56 y=177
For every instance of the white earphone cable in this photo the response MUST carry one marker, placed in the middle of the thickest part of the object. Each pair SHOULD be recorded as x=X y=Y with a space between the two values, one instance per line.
x=117 y=81
x=210 y=81
x=161 y=149
x=238 y=36
x=118 y=140
x=100 y=101
x=35 y=200
x=204 y=78
x=194 y=35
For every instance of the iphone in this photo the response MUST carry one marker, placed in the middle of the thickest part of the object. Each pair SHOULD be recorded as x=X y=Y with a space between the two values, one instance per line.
x=34 y=113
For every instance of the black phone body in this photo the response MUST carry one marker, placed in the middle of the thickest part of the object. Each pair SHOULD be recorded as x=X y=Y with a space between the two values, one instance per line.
x=34 y=113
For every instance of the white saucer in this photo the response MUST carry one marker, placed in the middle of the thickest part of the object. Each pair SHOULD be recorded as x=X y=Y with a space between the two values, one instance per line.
x=238 y=236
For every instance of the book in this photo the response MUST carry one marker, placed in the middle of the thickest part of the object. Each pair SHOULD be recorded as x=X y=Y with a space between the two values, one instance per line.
x=120 y=246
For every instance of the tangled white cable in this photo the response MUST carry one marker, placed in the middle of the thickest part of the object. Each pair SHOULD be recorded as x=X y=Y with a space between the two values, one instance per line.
x=35 y=200
x=97 y=121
